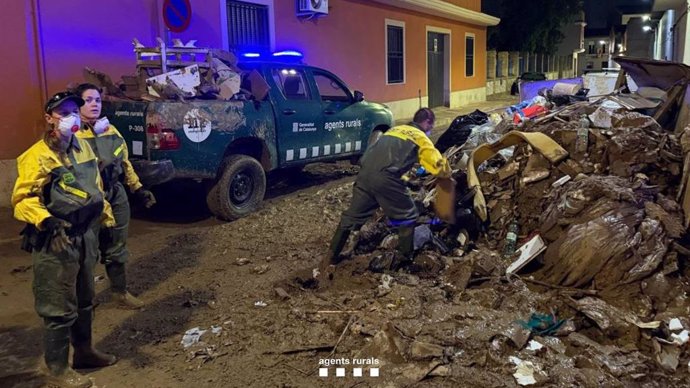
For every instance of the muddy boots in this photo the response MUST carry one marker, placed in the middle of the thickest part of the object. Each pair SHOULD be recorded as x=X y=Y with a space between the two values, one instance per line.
x=327 y=264
x=59 y=374
x=401 y=257
x=85 y=355
x=118 y=285
x=337 y=244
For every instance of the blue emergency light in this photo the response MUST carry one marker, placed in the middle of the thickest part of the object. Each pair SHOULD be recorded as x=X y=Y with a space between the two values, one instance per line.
x=288 y=54
x=291 y=56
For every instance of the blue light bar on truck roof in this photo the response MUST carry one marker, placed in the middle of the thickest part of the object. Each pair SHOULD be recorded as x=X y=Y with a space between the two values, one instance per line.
x=291 y=56
x=288 y=53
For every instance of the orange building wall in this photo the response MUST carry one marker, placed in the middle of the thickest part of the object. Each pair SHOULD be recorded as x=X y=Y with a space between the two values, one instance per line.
x=20 y=106
x=474 y=5
x=350 y=42
x=103 y=41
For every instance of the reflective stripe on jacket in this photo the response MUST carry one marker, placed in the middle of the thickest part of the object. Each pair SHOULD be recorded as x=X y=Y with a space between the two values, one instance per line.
x=67 y=187
x=113 y=157
x=399 y=149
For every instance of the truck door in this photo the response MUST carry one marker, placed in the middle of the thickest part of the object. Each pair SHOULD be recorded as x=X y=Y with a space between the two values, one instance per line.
x=343 y=118
x=299 y=128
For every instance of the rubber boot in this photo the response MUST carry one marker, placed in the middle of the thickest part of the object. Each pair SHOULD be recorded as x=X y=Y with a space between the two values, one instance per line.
x=59 y=374
x=405 y=247
x=337 y=244
x=85 y=355
x=118 y=285
x=127 y=300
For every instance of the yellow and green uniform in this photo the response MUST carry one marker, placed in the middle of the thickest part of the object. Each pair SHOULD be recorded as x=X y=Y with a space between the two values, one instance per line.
x=114 y=164
x=67 y=186
x=379 y=180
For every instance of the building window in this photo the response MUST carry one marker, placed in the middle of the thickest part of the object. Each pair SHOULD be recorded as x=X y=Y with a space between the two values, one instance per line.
x=591 y=49
x=469 y=55
x=395 y=52
x=248 y=26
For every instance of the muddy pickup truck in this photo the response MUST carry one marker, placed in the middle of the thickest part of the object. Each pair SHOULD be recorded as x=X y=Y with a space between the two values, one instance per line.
x=307 y=115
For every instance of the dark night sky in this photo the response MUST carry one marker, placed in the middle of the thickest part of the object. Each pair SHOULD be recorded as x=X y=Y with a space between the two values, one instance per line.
x=603 y=13
x=600 y=13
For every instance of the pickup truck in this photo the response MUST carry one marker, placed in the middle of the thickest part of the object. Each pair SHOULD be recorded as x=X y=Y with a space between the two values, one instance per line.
x=308 y=115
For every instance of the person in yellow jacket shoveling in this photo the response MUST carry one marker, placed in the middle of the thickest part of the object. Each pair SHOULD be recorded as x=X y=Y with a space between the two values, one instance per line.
x=114 y=164
x=59 y=194
x=379 y=183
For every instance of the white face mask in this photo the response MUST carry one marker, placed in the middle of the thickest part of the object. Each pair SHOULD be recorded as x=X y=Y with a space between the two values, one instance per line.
x=68 y=125
x=101 y=125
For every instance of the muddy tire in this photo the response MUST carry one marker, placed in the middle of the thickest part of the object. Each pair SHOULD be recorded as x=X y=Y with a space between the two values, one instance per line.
x=239 y=190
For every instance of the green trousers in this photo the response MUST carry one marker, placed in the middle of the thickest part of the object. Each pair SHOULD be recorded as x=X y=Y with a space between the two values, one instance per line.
x=380 y=189
x=63 y=282
x=113 y=247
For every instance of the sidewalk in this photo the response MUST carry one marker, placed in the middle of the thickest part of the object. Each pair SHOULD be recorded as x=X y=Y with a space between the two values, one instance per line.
x=444 y=116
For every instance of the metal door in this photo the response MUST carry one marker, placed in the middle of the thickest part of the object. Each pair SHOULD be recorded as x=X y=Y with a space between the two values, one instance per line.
x=435 y=65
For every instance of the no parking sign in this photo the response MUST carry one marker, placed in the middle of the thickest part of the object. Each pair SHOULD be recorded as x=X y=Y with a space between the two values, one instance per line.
x=177 y=14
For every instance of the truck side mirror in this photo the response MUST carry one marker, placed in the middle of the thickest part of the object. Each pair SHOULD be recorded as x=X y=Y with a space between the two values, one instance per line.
x=359 y=96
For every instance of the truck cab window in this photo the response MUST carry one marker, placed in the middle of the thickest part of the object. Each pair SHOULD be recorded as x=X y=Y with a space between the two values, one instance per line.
x=291 y=83
x=330 y=89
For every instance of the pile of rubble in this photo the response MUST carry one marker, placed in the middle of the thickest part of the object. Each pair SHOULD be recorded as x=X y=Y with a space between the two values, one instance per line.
x=182 y=72
x=592 y=190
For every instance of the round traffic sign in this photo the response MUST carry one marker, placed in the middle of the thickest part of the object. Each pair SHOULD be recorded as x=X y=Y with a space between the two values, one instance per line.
x=177 y=14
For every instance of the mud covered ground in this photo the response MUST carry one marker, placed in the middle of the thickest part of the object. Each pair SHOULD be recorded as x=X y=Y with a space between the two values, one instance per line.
x=193 y=271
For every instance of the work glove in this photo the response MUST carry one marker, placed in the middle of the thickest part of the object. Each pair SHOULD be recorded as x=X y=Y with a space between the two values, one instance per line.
x=445 y=172
x=57 y=236
x=145 y=197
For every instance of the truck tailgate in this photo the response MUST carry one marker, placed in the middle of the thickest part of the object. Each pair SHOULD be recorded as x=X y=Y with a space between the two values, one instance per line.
x=129 y=117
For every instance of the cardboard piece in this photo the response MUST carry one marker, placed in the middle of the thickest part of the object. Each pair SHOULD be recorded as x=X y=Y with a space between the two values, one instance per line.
x=444 y=203
x=527 y=252
x=258 y=85
x=186 y=79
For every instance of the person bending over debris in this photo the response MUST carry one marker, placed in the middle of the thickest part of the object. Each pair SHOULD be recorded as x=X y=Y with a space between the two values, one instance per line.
x=112 y=153
x=59 y=194
x=379 y=183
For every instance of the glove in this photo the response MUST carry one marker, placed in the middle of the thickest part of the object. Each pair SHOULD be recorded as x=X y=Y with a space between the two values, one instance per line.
x=445 y=171
x=53 y=224
x=57 y=236
x=145 y=197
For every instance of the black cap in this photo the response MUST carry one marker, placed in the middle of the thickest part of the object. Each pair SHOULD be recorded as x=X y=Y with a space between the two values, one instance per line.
x=59 y=98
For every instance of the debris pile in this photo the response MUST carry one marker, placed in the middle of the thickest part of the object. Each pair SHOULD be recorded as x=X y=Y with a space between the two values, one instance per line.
x=182 y=72
x=591 y=192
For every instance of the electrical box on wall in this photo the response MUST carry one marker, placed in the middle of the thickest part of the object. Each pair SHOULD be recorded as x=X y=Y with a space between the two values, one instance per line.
x=310 y=7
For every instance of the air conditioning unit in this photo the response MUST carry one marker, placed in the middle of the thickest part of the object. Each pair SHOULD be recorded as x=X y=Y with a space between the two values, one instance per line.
x=308 y=7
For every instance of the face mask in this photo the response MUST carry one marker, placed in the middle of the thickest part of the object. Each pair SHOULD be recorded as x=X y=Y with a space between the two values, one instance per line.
x=101 y=125
x=68 y=125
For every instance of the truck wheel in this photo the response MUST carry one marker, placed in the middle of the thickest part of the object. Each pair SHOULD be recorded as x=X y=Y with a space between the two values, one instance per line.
x=239 y=190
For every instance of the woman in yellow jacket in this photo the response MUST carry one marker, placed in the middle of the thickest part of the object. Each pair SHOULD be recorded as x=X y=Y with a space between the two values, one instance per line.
x=114 y=164
x=58 y=193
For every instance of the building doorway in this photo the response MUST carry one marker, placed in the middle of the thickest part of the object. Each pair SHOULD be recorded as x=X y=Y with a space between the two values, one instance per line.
x=438 y=68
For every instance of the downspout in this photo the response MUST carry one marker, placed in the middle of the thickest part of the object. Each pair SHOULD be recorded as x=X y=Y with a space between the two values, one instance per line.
x=38 y=49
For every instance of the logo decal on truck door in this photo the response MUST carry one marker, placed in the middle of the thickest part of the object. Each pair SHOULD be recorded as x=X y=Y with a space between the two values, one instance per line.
x=196 y=126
